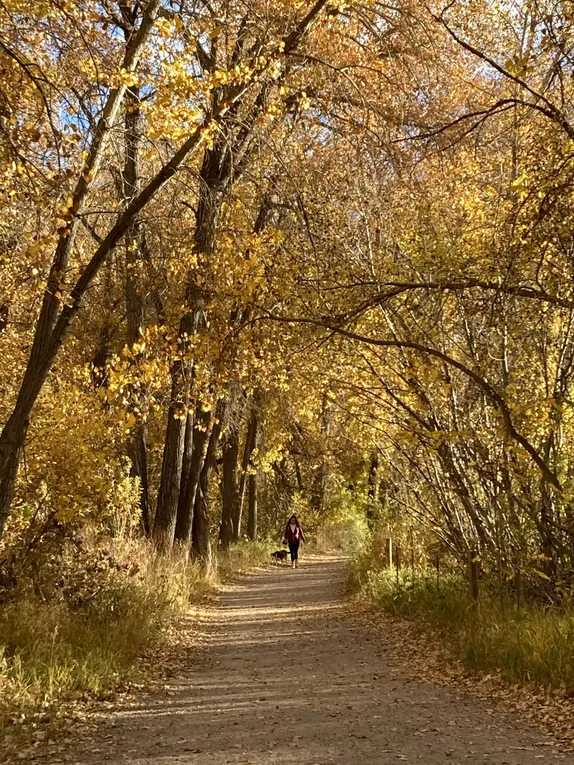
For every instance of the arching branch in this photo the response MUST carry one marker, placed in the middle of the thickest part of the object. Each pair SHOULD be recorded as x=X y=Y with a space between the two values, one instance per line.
x=492 y=394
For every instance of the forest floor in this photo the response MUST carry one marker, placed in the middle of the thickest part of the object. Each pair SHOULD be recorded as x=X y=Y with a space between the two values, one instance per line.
x=287 y=675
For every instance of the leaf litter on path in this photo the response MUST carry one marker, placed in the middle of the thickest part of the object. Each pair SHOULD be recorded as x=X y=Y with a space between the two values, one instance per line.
x=427 y=658
x=353 y=698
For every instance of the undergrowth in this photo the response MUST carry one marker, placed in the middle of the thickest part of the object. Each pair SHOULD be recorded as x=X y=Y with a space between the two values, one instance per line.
x=241 y=557
x=531 y=643
x=81 y=631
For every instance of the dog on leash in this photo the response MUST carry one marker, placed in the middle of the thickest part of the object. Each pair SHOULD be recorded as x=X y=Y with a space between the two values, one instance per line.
x=279 y=555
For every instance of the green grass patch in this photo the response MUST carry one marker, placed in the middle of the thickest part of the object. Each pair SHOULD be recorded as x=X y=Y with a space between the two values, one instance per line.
x=242 y=557
x=528 y=644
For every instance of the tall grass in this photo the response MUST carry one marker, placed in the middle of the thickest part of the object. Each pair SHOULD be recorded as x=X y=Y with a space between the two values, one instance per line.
x=527 y=644
x=240 y=558
x=50 y=650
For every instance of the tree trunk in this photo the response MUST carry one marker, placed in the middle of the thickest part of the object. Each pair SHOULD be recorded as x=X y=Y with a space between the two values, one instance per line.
x=101 y=356
x=208 y=209
x=192 y=465
x=372 y=484
x=201 y=547
x=250 y=445
x=253 y=477
x=317 y=500
x=11 y=450
x=230 y=522
x=218 y=172
x=285 y=490
x=546 y=524
x=137 y=452
x=13 y=435
x=252 y=507
x=137 y=446
x=167 y=501
x=319 y=485
x=188 y=443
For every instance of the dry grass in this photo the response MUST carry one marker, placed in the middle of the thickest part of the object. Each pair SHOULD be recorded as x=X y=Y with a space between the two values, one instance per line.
x=242 y=557
x=531 y=644
x=57 y=649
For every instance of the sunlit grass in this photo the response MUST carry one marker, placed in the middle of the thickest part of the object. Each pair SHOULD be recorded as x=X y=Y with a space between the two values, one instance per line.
x=50 y=650
x=527 y=644
x=241 y=557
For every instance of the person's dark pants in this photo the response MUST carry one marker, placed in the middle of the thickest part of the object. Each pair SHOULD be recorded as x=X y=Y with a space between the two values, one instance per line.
x=294 y=550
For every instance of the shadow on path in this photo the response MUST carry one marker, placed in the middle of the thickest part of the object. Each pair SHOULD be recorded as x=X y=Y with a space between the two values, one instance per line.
x=287 y=679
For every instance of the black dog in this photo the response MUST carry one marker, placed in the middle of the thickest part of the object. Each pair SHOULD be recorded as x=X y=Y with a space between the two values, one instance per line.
x=279 y=555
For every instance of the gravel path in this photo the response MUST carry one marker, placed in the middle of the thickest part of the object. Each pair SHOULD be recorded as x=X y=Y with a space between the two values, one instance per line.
x=287 y=678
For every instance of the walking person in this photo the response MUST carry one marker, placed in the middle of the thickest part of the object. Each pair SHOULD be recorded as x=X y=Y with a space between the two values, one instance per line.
x=293 y=537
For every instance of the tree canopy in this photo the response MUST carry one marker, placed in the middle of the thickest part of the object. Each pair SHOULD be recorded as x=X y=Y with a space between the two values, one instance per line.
x=262 y=255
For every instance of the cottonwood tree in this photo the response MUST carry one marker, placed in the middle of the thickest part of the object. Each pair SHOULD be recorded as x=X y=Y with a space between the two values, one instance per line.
x=120 y=64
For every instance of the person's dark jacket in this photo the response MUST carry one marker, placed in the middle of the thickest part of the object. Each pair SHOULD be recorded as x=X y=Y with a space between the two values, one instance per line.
x=292 y=536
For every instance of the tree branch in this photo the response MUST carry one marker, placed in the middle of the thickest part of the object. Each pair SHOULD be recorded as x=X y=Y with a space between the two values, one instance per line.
x=495 y=398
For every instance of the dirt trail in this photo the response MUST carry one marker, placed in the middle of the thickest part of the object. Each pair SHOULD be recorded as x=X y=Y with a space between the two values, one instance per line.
x=286 y=678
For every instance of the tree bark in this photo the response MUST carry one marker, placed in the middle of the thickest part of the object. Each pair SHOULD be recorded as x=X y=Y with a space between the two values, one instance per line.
x=187 y=457
x=167 y=502
x=547 y=524
x=192 y=466
x=229 y=529
x=201 y=547
x=211 y=186
x=137 y=445
x=137 y=452
x=218 y=171
x=11 y=450
x=14 y=433
x=372 y=485
x=252 y=507
x=250 y=444
x=319 y=484
x=101 y=356
x=317 y=500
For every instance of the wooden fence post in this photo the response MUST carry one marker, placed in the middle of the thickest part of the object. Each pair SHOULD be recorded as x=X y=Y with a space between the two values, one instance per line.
x=398 y=561
x=388 y=552
x=474 y=573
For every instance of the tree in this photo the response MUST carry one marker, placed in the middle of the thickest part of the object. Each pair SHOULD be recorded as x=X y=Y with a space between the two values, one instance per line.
x=57 y=316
